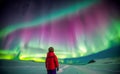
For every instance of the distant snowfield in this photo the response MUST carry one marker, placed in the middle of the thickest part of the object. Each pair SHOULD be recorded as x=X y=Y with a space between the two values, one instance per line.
x=101 y=66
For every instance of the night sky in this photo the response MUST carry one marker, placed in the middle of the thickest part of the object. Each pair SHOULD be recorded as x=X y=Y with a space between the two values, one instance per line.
x=75 y=28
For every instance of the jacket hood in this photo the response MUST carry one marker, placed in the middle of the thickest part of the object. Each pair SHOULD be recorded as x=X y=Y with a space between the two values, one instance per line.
x=50 y=54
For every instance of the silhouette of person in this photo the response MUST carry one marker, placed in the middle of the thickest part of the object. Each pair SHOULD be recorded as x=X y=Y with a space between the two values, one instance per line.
x=51 y=61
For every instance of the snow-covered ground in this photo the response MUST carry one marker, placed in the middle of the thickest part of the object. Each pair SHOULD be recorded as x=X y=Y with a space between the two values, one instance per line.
x=101 y=66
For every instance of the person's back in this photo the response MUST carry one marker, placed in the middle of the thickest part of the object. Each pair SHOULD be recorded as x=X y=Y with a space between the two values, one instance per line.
x=51 y=61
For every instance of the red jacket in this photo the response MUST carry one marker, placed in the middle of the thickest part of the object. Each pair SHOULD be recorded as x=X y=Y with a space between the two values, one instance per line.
x=51 y=61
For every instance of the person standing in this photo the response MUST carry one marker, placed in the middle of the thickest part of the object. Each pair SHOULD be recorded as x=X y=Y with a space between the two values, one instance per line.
x=51 y=61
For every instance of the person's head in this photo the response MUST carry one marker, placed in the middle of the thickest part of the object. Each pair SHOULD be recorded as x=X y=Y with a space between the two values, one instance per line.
x=51 y=49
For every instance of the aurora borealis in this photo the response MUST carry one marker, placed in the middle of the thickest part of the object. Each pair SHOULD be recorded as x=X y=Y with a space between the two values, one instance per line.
x=74 y=29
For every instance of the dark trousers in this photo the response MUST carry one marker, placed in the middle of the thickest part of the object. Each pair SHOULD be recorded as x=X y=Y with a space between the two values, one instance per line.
x=51 y=71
